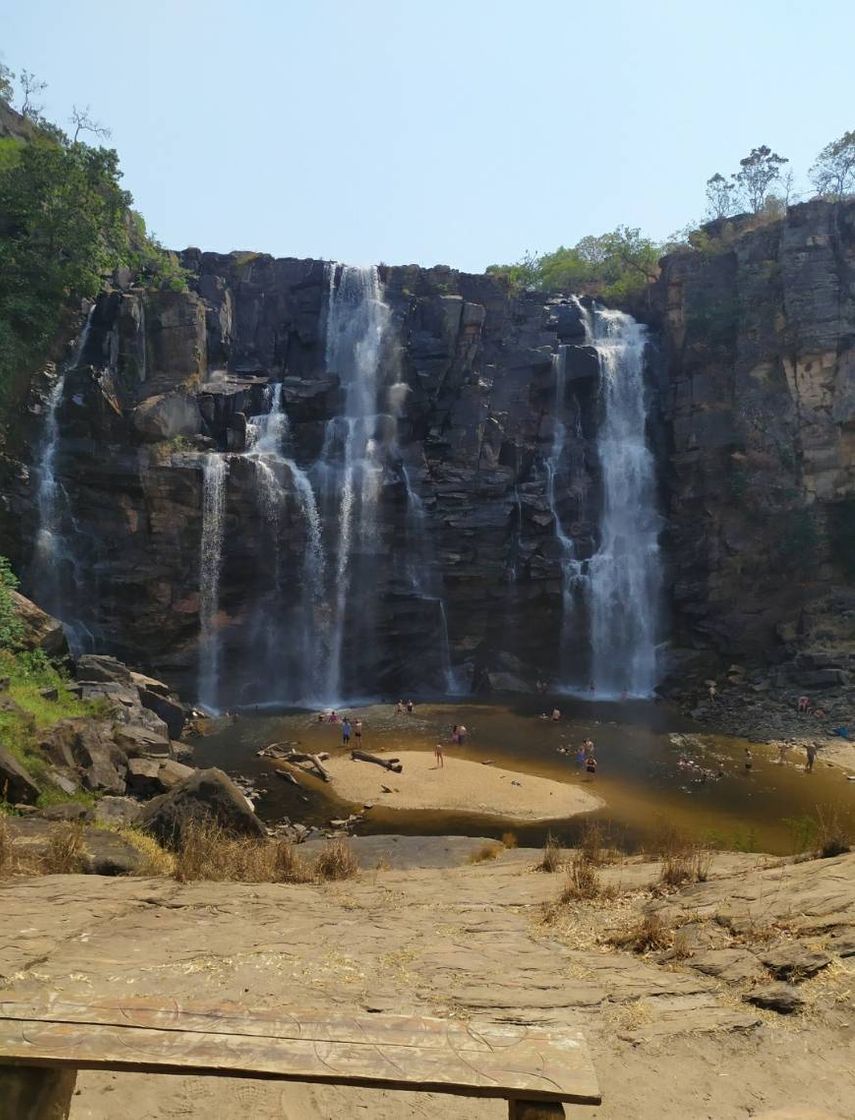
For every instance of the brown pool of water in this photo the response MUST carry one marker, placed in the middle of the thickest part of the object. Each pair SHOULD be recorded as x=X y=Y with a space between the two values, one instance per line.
x=638 y=747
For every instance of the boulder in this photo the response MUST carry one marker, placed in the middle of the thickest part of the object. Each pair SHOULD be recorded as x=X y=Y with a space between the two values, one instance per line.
x=68 y=811
x=138 y=741
x=172 y=772
x=16 y=782
x=101 y=667
x=41 y=630
x=206 y=794
x=142 y=777
x=582 y=363
x=117 y=810
x=86 y=748
x=782 y=998
x=168 y=416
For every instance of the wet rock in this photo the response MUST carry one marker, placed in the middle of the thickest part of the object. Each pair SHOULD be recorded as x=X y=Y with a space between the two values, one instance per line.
x=790 y=960
x=101 y=667
x=16 y=782
x=207 y=794
x=782 y=998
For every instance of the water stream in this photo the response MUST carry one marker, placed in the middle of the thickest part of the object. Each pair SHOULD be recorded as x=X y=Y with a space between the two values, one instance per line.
x=214 y=474
x=53 y=556
x=624 y=574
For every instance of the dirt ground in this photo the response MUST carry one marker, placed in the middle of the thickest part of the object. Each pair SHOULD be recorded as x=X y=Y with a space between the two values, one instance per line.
x=670 y=1031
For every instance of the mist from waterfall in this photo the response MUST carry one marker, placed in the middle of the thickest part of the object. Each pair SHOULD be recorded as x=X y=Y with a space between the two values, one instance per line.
x=624 y=578
x=214 y=474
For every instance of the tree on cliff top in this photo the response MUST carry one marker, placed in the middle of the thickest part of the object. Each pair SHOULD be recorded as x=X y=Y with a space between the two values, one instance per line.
x=833 y=174
x=615 y=266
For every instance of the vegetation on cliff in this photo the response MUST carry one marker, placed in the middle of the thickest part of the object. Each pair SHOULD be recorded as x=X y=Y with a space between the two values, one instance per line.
x=66 y=225
x=620 y=266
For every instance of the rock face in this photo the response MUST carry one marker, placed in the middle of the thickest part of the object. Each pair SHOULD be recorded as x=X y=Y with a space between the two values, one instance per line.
x=759 y=341
x=164 y=378
x=752 y=422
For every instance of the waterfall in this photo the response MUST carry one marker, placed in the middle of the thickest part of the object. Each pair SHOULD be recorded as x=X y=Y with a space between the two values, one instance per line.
x=353 y=458
x=51 y=548
x=624 y=583
x=214 y=472
x=571 y=569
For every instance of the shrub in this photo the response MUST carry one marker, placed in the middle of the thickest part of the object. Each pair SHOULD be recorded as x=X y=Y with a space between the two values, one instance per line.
x=649 y=933
x=551 y=855
x=833 y=833
x=583 y=882
x=66 y=850
x=336 y=860
x=510 y=839
x=484 y=853
x=11 y=627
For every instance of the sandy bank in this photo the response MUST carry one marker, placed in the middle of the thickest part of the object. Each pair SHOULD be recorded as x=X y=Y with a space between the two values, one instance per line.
x=461 y=786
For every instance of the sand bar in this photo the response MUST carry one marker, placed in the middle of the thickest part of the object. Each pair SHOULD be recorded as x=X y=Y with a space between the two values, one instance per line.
x=461 y=786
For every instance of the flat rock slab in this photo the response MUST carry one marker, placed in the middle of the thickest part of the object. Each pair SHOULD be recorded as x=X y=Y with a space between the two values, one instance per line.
x=734 y=965
x=790 y=960
x=783 y=998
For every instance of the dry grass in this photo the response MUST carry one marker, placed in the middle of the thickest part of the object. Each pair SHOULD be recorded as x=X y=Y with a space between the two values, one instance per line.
x=7 y=857
x=66 y=852
x=510 y=840
x=207 y=852
x=154 y=860
x=683 y=859
x=649 y=933
x=833 y=833
x=484 y=853
x=551 y=861
x=595 y=843
x=336 y=860
x=583 y=882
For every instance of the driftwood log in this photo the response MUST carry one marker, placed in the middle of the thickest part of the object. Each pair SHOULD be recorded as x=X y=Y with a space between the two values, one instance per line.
x=315 y=761
x=386 y=763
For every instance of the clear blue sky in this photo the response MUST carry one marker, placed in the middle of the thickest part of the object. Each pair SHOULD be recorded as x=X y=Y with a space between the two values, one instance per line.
x=454 y=131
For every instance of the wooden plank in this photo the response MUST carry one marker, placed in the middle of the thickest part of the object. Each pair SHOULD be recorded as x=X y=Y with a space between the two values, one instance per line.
x=553 y=1068
x=233 y=1018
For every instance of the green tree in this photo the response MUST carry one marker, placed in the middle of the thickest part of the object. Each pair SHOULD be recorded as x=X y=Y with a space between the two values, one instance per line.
x=11 y=627
x=760 y=169
x=62 y=229
x=833 y=173
x=721 y=197
x=7 y=79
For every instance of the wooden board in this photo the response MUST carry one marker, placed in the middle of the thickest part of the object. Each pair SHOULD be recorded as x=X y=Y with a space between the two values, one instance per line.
x=389 y=1051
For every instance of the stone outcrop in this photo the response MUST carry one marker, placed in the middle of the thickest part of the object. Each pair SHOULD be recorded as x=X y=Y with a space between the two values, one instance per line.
x=40 y=630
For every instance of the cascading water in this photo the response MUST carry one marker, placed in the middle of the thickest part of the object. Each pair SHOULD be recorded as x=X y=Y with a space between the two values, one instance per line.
x=624 y=582
x=353 y=459
x=52 y=554
x=571 y=568
x=214 y=474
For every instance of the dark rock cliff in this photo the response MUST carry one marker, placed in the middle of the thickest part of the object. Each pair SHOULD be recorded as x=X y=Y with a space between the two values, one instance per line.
x=753 y=420
x=166 y=375
x=759 y=344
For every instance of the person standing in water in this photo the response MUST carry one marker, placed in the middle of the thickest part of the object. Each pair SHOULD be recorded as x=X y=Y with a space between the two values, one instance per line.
x=749 y=762
x=357 y=731
x=410 y=707
x=454 y=736
x=439 y=755
x=810 y=750
x=556 y=715
x=345 y=731
x=461 y=734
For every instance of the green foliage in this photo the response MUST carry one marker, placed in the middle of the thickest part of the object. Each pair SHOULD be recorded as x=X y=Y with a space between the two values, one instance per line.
x=7 y=79
x=11 y=627
x=617 y=267
x=749 y=188
x=65 y=226
x=833 y=174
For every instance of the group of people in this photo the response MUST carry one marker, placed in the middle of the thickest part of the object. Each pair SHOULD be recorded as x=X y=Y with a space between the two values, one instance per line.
x=348 y=727
x=459 y=734
x=403 y=706
x=586 y=758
